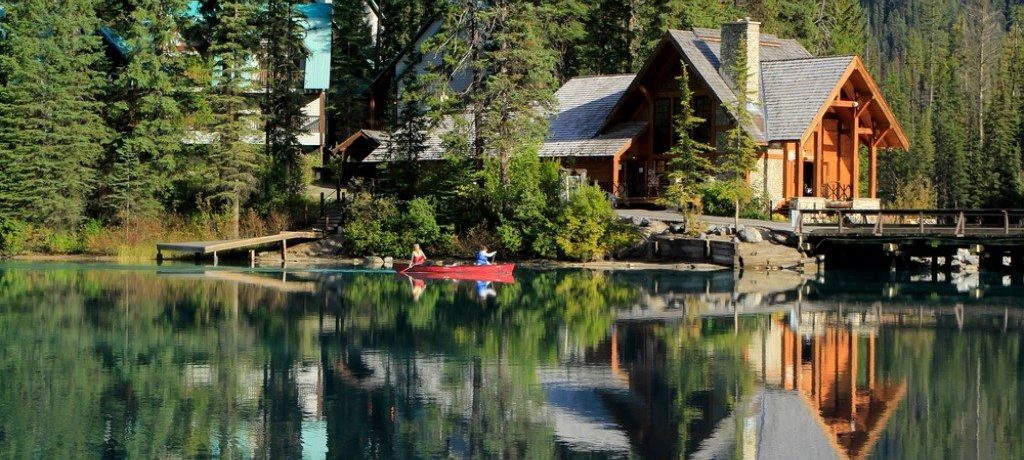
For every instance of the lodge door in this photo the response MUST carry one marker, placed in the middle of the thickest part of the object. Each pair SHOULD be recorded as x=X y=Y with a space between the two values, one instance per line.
x=807 y=188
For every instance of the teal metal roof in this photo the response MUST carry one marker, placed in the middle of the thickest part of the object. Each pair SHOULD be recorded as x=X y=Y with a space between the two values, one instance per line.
x=116 y=41
x=318 y=43
x=194 y=10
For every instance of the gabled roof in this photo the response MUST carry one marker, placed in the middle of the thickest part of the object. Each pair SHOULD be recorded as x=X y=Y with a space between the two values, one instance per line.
x=574 y=129
x=433 y=146
x=702 y=48
x=793 y=91
x=583 y=105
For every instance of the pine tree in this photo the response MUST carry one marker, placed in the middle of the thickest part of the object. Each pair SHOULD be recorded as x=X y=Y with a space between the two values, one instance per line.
x=519 y=85
x=146 y=112
x=606 y=48
x=562 y=24
x=738 y=150
x=408 y=141
x=1002 y=149
x=952 y=181
x=234 y=118
x=841 y=28
x=352 y=55
x=51 y=131
x=689 y=167
x=281 y=57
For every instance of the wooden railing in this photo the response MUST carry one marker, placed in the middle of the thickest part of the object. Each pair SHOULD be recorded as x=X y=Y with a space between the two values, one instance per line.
x=910 y=222
x=836 y=191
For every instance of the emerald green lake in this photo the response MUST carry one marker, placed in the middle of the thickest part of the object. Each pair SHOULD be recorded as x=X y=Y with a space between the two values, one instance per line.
x=105 y=361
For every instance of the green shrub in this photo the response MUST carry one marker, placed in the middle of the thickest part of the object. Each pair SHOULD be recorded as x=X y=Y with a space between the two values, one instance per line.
x=377 y=226
x=588 y=228
x=584 y=223
x=62 y=243
x=717 y=199
x=13 y=236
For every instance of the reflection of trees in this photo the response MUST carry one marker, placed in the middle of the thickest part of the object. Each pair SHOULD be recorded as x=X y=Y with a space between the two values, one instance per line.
x=389 y=391
x=964 y=393
x=144 y=367
x=100 y=355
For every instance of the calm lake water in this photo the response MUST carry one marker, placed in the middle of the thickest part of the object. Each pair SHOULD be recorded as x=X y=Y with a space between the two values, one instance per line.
x=108 y=361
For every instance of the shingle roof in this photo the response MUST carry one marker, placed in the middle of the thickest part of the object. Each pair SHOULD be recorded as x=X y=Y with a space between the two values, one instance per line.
x=605 y=145
x=583 y=105
x=793 y=91
x=702 y=48
x=433 y=147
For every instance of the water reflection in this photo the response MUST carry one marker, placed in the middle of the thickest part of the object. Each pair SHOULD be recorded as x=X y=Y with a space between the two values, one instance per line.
x=320 y=363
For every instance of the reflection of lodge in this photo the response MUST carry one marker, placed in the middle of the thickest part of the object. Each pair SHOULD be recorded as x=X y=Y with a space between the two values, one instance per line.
x=847 y=403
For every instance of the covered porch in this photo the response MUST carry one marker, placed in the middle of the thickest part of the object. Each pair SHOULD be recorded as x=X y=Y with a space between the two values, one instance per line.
x=836 y=158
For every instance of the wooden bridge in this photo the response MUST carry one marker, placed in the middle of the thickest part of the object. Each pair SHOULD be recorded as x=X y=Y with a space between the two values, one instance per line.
x=850 y=238
x=201 y=248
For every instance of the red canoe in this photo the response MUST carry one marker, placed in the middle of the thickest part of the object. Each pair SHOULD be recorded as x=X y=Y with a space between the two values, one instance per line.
x=498 y=273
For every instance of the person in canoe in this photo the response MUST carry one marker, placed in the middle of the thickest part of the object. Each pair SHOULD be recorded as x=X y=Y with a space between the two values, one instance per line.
x=483 y=257
x=418 y=256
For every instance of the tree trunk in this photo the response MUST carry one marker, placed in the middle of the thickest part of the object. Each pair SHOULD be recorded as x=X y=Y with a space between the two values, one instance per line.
x=736 y=215
x=236 y=213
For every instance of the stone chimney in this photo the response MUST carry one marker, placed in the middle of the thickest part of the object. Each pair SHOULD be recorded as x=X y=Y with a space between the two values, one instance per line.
x=740 y=36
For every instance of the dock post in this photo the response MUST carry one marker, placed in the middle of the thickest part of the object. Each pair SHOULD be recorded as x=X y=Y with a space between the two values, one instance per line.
x=322 y=200
x=216 y=260
x=159 y=257
x=252 y=258
x=284 y=251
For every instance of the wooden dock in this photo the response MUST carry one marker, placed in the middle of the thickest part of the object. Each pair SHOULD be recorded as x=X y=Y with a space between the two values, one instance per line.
x=201 y=248
x=872 y=238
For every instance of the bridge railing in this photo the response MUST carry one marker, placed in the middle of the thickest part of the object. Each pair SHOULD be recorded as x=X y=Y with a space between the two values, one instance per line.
x=909 y=222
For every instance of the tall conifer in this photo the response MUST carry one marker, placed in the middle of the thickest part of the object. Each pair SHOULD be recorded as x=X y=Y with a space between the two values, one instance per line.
x=281 y=57
x=234 y=121
x=145 y=111
x=51 y=131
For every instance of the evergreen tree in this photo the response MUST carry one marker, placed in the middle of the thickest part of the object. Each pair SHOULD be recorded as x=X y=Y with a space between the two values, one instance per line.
x=951 y=140
x=738 y=149
x=562 y=24
x=1003 y=150
x=606 y=47
x=408 y=141
x=520 y=80
x=689 y=167
x=51 y=130
x=352 y=55
x=281 y=60
x=233 y=118
x=146 y=113
x=841 y=28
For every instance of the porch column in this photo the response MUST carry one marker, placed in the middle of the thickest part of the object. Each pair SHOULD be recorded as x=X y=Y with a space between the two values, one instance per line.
x=818 y=145
x=855 y=180
x=799 y=169
x=615 y=175
x=873 y=166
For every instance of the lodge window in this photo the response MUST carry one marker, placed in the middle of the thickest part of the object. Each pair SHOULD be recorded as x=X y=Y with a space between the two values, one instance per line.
x=702 y=108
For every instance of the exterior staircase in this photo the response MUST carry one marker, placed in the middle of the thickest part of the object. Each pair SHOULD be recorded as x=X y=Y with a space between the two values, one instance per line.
x=331 y=219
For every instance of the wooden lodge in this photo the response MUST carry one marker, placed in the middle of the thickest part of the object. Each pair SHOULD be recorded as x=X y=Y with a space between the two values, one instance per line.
x=811 y=117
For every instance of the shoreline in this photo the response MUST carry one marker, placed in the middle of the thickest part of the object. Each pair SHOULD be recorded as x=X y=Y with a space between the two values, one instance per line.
x=267 y=262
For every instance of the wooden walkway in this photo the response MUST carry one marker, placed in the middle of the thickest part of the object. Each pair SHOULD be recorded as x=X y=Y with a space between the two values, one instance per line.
x=860 y=238
x=200 y=248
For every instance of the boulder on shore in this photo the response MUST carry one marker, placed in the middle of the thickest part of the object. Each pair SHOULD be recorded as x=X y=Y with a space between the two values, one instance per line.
x=373 y=262
x=750 y=235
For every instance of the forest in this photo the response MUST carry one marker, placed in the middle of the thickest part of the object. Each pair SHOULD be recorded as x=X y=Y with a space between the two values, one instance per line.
x=172 y=141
